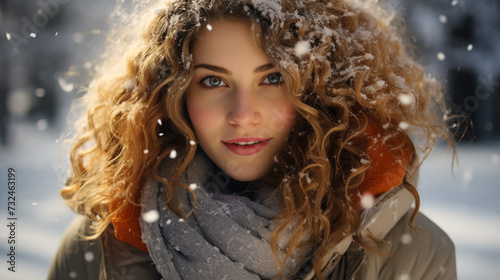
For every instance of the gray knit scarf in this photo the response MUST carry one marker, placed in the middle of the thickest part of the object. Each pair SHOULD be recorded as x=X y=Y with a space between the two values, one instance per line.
x=226 y=237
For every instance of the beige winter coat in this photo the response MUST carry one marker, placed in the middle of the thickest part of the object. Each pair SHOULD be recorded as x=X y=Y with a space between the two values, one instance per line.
x=427 y=253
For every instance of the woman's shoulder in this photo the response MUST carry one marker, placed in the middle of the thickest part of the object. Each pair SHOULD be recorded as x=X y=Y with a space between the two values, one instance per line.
x=93 y=259
x=424 y=253
x=76 y=255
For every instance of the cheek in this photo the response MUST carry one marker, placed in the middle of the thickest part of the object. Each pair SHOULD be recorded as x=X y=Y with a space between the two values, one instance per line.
x=201 y=115
x=283 y=117
x=290 y=115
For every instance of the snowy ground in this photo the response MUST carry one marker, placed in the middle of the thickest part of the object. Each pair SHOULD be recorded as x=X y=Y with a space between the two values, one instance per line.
x=465 y=206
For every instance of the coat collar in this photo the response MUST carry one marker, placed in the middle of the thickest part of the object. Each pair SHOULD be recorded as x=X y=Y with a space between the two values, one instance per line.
x=376 y=222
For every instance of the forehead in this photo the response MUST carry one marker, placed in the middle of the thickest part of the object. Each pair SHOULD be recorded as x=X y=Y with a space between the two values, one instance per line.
x=227 y=37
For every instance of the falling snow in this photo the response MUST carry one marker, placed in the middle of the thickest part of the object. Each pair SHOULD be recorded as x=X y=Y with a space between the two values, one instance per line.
x=65 y=86
x=495 y=159
x=78 y=37
x=406 y=99
x=129 y=84
x=275 y=159
x=440 y=56
x=468 y=176
x=367 y=201
x=40 y=92
x=404 y=125
x=404 y=277
x=406 y=238
x=301 y=48
x=151 y=216
x=89 y=256
x=42 y=124
x=173 y=153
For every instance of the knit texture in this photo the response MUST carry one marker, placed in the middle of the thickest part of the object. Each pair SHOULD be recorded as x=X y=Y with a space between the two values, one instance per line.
x=226 y=236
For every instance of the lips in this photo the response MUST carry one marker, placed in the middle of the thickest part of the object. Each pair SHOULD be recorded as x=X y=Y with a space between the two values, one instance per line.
x=246 y=146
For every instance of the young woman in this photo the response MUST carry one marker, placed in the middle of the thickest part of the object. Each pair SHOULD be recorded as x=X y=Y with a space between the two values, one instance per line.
x=254 y=140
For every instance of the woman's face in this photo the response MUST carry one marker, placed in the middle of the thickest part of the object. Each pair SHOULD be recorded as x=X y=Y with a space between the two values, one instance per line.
x=237 y=102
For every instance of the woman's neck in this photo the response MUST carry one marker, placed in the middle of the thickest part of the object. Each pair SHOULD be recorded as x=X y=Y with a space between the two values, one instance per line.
x=234 y=186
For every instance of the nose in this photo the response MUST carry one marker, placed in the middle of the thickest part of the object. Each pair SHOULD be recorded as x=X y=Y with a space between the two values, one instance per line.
x=244 y=109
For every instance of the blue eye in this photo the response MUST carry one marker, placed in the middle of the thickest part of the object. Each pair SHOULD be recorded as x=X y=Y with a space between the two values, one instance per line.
x=274 y=79
x=212 y=81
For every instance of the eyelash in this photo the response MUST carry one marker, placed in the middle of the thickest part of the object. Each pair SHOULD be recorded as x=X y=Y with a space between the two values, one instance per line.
x=202 y=81
x=282 y=79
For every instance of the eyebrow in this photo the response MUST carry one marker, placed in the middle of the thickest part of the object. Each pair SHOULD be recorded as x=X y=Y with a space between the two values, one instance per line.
x=223 y=70
x=263 y=68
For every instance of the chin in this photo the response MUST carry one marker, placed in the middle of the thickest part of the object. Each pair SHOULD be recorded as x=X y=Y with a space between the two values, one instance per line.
x=243 y=174
x=245 y=177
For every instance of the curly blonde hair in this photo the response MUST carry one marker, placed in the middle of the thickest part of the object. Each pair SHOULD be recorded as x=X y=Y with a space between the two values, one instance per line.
x=355 y=71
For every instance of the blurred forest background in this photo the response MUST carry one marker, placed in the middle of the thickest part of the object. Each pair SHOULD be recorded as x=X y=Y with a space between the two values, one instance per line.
x=47 y=46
